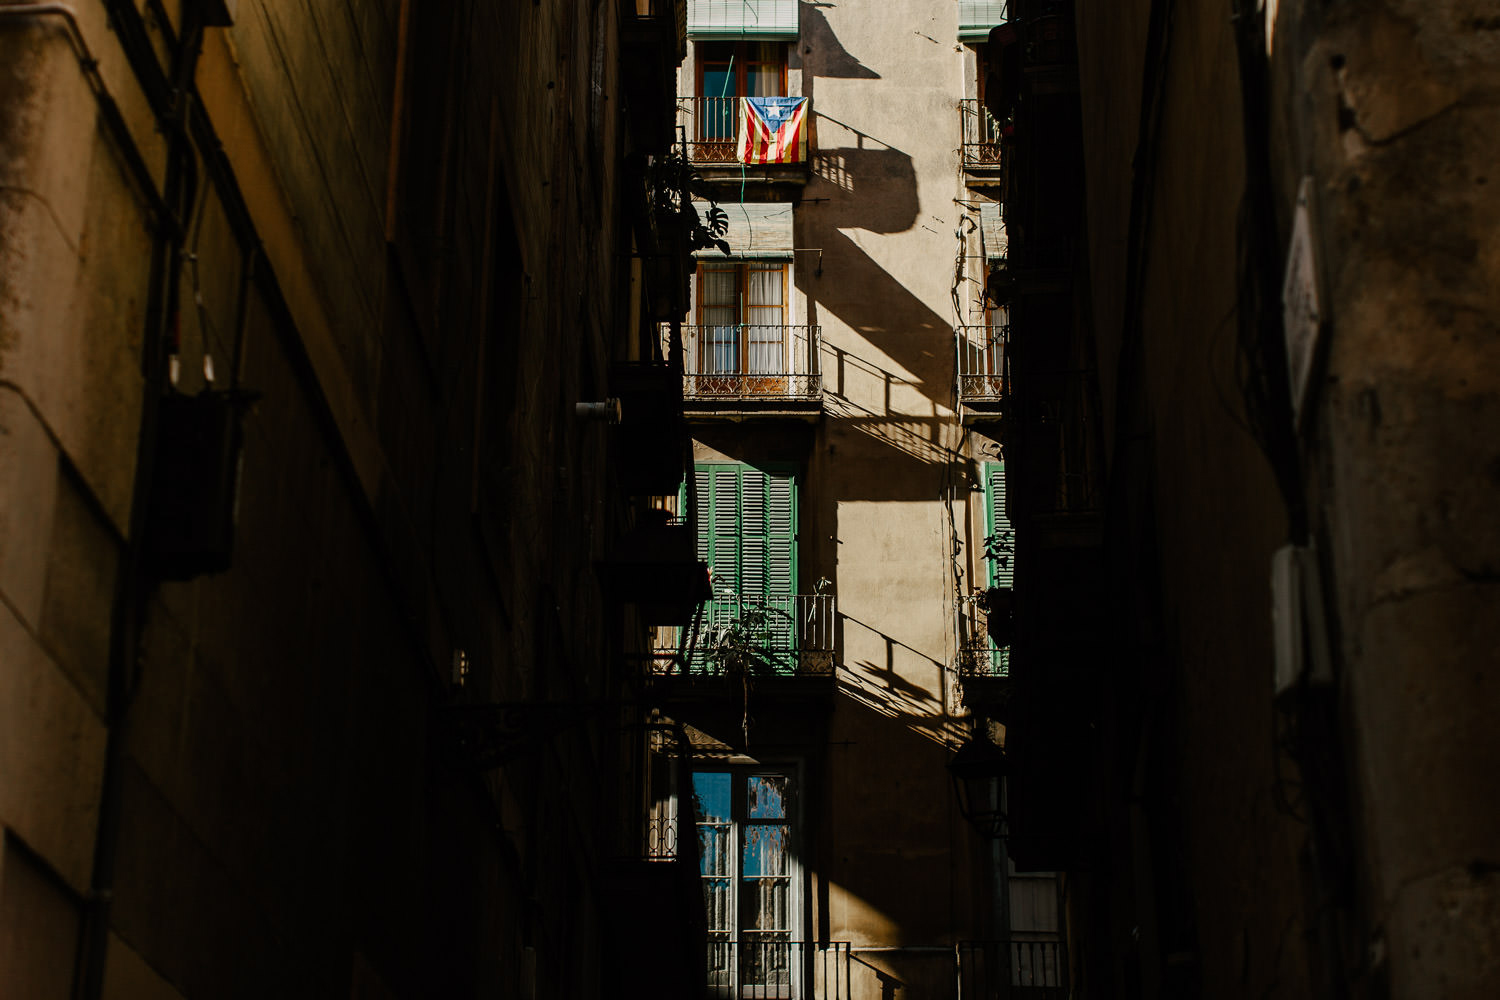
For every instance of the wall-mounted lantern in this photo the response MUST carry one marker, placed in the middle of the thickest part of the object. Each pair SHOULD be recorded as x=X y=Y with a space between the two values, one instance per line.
x=978 y=770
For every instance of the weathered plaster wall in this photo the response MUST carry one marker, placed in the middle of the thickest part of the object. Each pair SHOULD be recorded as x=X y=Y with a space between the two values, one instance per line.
x=1398 y=129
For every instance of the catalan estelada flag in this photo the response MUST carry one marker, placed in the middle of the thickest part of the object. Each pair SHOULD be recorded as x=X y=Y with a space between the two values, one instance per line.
x=773 y=130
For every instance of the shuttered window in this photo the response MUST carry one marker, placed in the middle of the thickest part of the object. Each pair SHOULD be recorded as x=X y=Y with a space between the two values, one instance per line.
x=999 y=539
x=992 y=230
x=999 y=549
x=977 y=17
x=747 y=529
x=742 y=19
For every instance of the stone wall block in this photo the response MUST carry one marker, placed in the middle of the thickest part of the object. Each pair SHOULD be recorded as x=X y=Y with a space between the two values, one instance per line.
x=51 y=755
x=1444 y=934
x=28 y=488
x=1423 y=695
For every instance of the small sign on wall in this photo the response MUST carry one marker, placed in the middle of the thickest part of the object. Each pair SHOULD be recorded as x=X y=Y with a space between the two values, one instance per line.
x=1301 y=301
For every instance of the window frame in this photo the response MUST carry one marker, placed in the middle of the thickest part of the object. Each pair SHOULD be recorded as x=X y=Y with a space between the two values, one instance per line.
x=738 y=59
x=796 y=873
x=742 y=268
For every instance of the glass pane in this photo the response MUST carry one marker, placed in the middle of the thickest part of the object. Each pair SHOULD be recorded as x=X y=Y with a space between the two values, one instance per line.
x=765 y=905
x=765 y=796
x=720 y=285
x=766 y=850
x=712 y=796
x=764 y=285
x=718 y=81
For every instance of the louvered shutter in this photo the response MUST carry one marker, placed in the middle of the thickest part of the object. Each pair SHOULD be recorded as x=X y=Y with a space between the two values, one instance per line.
x=757 y=230
x=746 y=532
x=997 y=528
x=768 y=19
x=977 y=17
x=992 y=229
x=1001 y=543
x=781 y=568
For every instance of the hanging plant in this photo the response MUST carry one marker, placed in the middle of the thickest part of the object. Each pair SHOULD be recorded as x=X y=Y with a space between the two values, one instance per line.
x=671 y=183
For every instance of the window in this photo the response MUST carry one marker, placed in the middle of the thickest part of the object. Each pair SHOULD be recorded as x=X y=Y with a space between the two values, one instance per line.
x=742 y=69
x=747 y=535
x=728 y=71
x=999 y=553
x=742 y=316
x=745 y=818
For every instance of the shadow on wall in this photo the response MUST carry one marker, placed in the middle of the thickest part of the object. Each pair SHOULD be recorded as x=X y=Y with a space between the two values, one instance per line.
x=822 y=53
x=867 y=298
x=882 y=689
x=868 y=188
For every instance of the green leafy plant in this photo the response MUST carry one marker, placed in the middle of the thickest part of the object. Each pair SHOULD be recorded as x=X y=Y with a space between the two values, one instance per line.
x=671 y=183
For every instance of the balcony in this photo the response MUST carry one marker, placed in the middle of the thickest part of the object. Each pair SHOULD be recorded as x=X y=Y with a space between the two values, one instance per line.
x=709 y=127
x=762 y=966
x=752 y=369
x=983 y=666
x=770 y=636
x=982 y=137
x=983 y=370
x=1017 y=968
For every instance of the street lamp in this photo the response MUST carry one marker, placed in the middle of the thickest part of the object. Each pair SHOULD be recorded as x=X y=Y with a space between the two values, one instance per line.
x=978 y=769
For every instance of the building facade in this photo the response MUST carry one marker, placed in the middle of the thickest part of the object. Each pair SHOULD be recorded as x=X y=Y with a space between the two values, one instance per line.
x=844 y=379
x=1250 y=681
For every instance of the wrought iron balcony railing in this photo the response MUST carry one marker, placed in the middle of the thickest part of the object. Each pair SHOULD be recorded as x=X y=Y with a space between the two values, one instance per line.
x=983 y=364
x=752 y=362
x=1018 y=969
x=766 y=966
x=978 y=656
x=982 y=135
x=709 y=126
x=773 y=635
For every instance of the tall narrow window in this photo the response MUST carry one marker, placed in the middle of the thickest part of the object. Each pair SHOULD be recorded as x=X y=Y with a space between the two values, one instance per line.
x=742 y=316
x=751 y=893
x=728 y=71
x=999 y=549
x=746 y=534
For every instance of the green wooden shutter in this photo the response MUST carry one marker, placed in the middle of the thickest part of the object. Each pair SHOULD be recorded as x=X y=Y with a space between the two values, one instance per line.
x=780 y=568
x=1000 y=546
x=747 y=533
x=1000 y=540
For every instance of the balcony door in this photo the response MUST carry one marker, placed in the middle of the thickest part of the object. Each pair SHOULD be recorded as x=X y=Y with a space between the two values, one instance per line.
x=742 y=318
x=747 y=535
x=751 y=889
x=728 y=71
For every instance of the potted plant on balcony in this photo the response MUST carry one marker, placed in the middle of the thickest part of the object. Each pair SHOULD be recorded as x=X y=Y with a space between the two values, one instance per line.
x=736 y=649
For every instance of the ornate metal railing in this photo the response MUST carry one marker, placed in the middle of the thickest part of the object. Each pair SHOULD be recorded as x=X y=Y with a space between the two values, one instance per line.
x=775 y=635
x=977 y=655
x=983 y=364
x=1017 y=969
x=762 y=966
x=981 y=136
x=661 y=838
x=708 y=126
x=752 y=362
